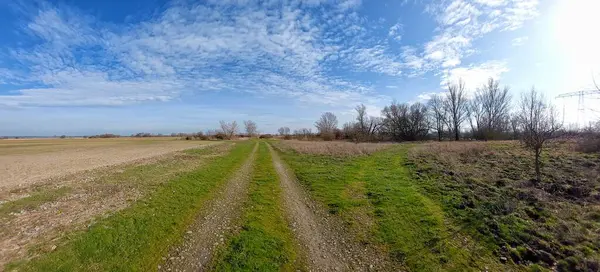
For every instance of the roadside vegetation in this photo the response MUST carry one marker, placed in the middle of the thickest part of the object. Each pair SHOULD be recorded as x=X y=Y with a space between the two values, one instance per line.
x=264 y=243
x=491 y=193
x=136 y=237
x=463 y=206
x=376 y=198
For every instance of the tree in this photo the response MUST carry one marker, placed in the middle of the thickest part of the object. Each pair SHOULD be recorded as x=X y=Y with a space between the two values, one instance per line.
x=538 y=123
x=326 y=125
x=284 y=131
x=490 y=109
x=438 y=113
x=456 y=106
x=303 y=133
x=366 y=126
x=229 y=129
x=404 y=122
x=251 y=128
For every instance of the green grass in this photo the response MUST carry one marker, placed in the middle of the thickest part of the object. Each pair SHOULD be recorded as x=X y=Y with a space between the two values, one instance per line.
x=408 y=224
x=136 y=238
x=33 y=201
x=265 y=242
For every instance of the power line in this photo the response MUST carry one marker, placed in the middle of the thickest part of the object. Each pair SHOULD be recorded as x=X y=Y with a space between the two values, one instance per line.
x=581 y=103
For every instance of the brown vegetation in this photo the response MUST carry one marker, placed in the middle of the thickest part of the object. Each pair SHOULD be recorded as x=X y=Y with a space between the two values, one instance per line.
x=336 y=148
x=490 y=190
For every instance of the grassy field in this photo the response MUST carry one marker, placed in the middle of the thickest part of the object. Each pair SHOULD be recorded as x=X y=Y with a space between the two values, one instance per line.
x=136 y=238
x=489 y=191
x=264 y=243
x=466 y=206
x=460 y=206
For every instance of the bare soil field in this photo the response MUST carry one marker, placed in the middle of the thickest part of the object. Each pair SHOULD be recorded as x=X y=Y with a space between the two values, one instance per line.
x=35 y=217
x=26 y=162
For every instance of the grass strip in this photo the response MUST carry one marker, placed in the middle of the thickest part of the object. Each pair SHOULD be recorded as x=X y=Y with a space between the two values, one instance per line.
x=136 y=238
x=410 y=225
x=33 y=201
x=265 y=242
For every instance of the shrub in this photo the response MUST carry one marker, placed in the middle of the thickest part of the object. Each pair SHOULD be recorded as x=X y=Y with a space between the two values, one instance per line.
x=327 y=136
x=220 y=136
x=589 y=144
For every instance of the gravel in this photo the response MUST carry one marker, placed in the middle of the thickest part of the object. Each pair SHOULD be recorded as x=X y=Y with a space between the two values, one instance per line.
x=212 y=224
x=325 y=242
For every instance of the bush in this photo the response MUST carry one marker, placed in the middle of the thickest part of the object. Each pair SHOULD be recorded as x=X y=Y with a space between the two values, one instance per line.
x=327 y=136
x=265 y=136
x=220 y=136
x=589 y=144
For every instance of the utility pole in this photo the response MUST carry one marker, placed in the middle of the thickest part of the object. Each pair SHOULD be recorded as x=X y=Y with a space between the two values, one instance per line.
x=581 y=102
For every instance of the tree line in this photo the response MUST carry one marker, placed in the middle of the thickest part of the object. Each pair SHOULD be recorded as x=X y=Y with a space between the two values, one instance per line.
x=489 y=114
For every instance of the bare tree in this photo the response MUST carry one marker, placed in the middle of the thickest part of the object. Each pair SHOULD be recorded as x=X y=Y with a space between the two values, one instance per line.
x=490 y=109
x=303 y=133
x=438 y=113
x=251 y=128
x=229 y=129
x=405 y=122
x=514 y=126
x=327 y=125
x=284 y=131
x=538 y=123
x=366 y=126
x=456 y=106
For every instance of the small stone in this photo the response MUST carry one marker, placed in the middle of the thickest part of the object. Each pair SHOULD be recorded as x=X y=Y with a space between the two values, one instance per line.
x=53 y=247
x=503 y=259
x=189 y=232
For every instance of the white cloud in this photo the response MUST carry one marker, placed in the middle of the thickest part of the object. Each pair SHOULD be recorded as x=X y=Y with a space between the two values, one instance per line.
x=395 y=31
x=519 y=41
x=424 y=97
x=474 y=76
x=461 y=22
x=245 y=46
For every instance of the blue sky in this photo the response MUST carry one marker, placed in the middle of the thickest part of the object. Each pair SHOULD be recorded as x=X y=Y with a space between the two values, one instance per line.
x=85 y=67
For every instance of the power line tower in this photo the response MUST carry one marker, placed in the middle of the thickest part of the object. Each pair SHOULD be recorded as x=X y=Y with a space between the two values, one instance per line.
x=581 y=102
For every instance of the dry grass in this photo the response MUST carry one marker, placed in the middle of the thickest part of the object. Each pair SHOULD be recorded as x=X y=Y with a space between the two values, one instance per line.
x=488 y=188
x=333 y=148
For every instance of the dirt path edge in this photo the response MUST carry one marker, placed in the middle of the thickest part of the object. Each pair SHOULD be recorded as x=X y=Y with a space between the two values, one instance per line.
x=325 y=242
x=208 y=230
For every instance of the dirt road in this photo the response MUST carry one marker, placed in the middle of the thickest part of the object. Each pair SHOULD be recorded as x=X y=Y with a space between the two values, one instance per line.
x=326 y=244
x=208 y=230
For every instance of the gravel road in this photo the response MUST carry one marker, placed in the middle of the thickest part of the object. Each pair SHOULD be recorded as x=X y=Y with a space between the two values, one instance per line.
x=208 y=230
x=325 y=242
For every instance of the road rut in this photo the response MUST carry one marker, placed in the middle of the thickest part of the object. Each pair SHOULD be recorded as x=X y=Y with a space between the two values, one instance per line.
x=326 y=244
x=208 y=230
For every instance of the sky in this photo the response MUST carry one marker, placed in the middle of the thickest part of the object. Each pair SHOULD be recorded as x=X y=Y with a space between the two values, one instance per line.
x=88 y=67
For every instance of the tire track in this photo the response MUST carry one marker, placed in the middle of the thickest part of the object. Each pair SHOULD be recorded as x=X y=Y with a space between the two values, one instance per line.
x=208 y=230
x=326 y=244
